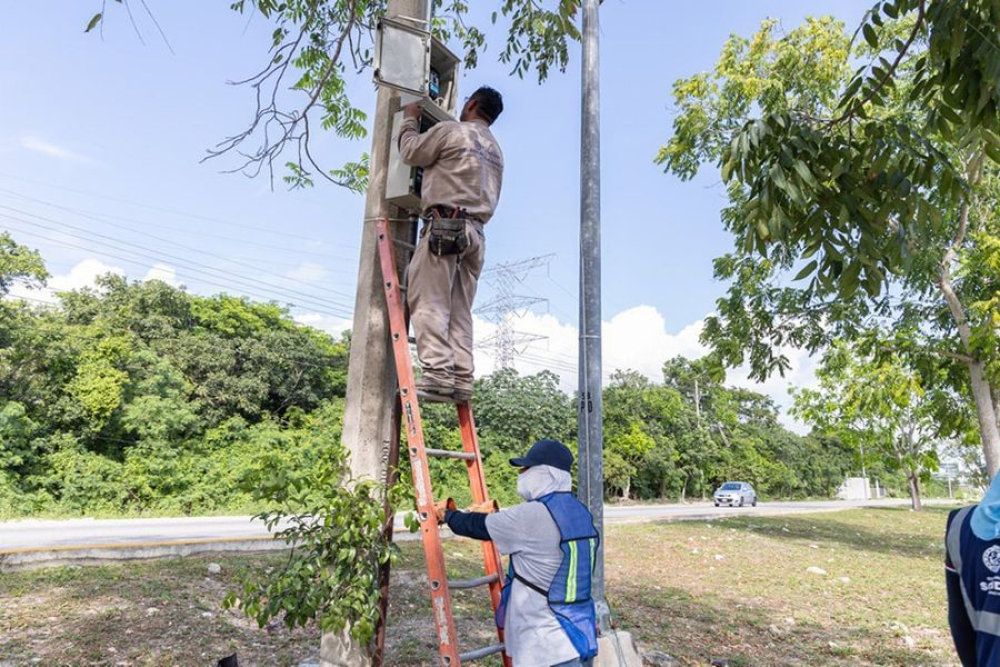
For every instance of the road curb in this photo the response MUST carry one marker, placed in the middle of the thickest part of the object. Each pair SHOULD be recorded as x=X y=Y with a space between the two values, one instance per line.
x=29 y=558
x=100 y=554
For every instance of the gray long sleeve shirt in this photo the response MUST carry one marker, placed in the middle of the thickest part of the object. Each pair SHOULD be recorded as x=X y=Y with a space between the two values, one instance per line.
x=529 y=534
x=533 y=636
x=462 y=161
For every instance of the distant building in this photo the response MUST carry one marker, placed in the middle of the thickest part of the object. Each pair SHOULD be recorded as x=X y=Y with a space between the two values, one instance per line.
x=859 y=488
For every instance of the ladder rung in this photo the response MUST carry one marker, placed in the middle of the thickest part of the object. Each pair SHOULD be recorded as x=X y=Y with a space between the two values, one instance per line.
x=480 y=652
x=450 y=454
x=472 y=583
x=412 y=339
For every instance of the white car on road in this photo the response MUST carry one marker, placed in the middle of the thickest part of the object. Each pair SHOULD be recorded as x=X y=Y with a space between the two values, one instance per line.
x=735 y=494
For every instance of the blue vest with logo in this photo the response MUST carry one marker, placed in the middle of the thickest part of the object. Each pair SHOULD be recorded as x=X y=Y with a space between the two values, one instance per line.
x=978 y=565
x=569 y=593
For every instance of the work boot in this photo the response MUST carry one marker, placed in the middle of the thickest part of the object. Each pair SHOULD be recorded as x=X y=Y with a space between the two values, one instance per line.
x=433 y=393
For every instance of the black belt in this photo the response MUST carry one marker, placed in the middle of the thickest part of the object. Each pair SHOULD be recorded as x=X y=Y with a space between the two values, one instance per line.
x=442 y=211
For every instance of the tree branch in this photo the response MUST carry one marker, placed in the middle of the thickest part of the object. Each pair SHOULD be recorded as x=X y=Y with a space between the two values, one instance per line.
x=853 y=109
x=951 y=256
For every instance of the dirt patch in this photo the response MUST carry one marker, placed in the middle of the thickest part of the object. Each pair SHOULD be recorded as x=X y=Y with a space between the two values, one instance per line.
x=737 y=589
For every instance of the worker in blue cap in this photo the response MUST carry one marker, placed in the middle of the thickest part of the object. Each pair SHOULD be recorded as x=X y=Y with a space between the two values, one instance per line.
x=546 y=611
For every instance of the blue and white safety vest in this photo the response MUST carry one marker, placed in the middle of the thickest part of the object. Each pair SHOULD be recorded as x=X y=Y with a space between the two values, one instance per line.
x=569 y=593
x=978 y=565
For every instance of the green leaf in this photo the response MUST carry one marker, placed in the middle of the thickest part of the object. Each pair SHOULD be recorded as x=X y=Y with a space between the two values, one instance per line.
x=806 y=270
x=849 y=279
x=94 y=21
x=803 y=171
x=950 y=115
x=870 y=36
x=993 y=152
x=727 y=170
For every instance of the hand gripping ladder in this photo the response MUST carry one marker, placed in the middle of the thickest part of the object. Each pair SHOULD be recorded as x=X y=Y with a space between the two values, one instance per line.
x=440 y=587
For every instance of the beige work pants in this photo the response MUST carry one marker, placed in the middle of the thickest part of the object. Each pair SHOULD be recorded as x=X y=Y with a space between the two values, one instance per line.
x=440 y=294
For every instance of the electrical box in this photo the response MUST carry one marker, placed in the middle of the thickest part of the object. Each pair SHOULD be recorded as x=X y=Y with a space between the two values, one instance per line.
x=410 y=60
x=402 y=184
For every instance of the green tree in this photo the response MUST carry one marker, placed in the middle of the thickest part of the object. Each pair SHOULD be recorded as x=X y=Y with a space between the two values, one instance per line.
x=514 y=410
x=19 y=264
x=138 y=396
x=878 y=406
x=639 y=433
x=858 y=199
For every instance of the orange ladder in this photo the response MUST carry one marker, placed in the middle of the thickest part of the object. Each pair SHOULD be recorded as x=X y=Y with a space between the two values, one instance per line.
x=440 y=587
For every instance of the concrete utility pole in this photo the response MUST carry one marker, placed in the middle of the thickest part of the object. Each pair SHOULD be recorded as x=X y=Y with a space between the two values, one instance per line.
x=371 y=376
x=591 y=435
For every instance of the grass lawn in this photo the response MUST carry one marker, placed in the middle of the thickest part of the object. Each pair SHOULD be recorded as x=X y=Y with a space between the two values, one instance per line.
x=735 y=589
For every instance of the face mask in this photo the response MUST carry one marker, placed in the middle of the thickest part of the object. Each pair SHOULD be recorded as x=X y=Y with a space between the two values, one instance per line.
x=523 y=485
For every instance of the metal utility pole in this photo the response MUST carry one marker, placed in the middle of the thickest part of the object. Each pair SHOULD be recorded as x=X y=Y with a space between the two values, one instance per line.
x=591 y=436
x=371 y=377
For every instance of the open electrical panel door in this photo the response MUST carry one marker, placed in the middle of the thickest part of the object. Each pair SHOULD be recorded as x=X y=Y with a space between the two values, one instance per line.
x=410 y=60
x=403 y=57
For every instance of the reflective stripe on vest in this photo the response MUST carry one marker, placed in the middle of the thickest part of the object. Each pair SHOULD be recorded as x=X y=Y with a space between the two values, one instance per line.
x=571 y=580
x=569 y=592
x=982 y=621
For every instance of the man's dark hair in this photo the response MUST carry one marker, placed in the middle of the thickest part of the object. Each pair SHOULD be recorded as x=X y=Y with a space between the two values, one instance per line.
x=489 y=103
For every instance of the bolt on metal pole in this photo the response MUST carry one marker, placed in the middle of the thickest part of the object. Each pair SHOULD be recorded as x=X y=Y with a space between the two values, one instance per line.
x=591 y=438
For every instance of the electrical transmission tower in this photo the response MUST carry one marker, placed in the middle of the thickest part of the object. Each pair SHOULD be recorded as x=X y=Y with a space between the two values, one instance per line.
x=505 y=278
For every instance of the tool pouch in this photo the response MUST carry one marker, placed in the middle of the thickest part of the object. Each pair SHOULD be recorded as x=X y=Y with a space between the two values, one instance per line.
x=447 y=236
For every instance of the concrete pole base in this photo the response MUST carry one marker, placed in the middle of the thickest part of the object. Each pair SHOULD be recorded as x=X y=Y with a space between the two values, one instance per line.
x=340 y=650
x=616 y=648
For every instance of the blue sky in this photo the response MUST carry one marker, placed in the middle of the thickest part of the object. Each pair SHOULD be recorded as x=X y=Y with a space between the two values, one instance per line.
x=102 y=138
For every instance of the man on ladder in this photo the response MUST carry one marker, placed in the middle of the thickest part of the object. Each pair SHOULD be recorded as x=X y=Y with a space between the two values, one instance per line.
x=546 y=612
x=462 y=175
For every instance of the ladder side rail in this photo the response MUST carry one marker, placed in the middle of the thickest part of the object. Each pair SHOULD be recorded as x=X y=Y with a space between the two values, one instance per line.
x=440 y=593
x=477 y=483
x=392 y=478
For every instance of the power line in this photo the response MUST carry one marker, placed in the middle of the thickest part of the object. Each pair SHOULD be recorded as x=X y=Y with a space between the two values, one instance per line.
x=191 y=266
x=141 y=225
x=180 y=245
x=302 y=303
x=174 y=258
x=238 y=225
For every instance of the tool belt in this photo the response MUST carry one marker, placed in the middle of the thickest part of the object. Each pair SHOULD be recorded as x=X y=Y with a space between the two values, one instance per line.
x=446 y=230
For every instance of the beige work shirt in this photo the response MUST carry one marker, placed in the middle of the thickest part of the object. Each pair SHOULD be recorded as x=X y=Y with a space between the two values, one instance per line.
x=462 y=161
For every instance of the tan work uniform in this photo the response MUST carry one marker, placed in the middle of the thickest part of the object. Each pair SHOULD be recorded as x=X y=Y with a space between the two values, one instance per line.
x=463 y=169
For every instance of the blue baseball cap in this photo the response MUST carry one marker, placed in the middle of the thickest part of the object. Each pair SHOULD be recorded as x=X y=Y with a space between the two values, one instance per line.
x=546 y=453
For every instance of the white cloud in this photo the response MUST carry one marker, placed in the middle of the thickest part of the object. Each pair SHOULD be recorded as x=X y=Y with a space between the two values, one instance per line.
x=334 y=326
x=81 y=275
x=53 y=150
x=636 y=339
x=164 y=273
x=308 y=272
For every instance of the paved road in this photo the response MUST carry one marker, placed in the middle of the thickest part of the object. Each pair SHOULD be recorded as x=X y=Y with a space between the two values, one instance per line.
x=16 y=536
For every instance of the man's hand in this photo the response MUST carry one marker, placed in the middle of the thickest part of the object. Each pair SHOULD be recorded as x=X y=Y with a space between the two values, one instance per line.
x=441 y=507
x=485 y=507
x=412 y=110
